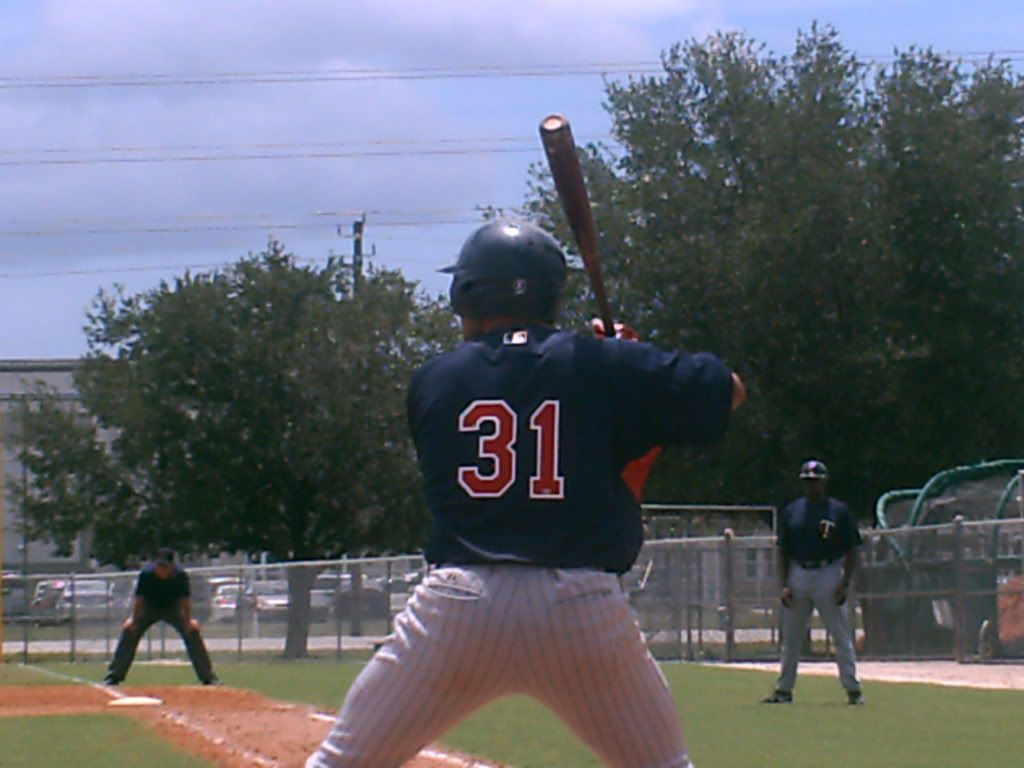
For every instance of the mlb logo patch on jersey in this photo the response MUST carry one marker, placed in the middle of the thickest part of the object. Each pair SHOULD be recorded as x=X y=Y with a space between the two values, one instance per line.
x=516 y=338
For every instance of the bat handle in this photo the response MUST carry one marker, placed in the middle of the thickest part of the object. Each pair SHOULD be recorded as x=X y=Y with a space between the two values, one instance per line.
x=604 y=310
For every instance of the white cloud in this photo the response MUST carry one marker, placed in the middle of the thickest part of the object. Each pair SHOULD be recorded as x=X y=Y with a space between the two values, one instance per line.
x=125 y=37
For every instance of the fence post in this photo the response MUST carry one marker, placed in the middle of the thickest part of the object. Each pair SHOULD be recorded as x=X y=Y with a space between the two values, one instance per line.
x=959 y=616
x=689 y=573
x=357 y=599
x=240 y=603
x=74 y=616
x=28 y=619
x=108 y=599
x=675 y=597
x=336 y=603
x=730 y=633
x=700 y=599
x=387 y=597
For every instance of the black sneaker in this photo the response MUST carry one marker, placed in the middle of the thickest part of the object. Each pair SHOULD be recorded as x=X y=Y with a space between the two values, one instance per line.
x=213 y=681
x=778 y=697
x=854 y=698
x=108 y=680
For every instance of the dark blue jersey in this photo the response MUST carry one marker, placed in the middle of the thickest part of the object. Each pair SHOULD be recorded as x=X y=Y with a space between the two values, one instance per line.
x=162 y=594
x=522 y=435
x=817 y=530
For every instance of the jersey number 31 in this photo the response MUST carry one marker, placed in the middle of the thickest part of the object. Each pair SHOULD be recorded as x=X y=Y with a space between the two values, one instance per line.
x=498 y=446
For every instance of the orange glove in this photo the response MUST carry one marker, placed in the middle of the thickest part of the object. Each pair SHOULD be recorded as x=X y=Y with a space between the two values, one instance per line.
x=636 y=472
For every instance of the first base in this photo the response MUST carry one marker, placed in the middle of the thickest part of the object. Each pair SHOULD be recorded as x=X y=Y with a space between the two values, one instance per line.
x=135 y=701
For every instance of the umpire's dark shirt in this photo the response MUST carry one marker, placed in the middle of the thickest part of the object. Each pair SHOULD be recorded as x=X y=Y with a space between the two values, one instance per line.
x=816 y=531
x=162 y=594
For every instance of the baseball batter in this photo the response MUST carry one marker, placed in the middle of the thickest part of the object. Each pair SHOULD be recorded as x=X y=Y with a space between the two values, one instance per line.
x=522 y=433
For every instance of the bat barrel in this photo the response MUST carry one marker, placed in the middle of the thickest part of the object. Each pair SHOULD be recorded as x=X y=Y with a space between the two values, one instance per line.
x=560 y=148
x=554 y=123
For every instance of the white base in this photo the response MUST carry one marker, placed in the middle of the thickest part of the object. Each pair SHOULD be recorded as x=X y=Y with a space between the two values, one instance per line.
x=135 y=701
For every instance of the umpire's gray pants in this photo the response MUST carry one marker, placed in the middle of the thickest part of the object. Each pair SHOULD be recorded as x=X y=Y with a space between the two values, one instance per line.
x=816 y=589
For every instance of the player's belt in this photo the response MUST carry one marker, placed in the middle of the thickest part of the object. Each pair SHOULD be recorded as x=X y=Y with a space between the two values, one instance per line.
x=813 y=565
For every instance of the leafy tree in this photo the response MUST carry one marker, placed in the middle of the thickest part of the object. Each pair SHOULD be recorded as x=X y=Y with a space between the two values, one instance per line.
x=848 y=238
x=256 y=409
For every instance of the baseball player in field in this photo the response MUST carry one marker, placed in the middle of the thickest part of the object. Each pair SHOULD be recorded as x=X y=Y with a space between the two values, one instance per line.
x=817 y=542
x=163 y=593
x=522 y=433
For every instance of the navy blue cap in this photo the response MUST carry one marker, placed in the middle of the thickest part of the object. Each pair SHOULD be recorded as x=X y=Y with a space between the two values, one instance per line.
x=813 y=470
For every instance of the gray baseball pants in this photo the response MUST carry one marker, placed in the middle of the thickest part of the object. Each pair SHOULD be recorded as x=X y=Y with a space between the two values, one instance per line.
x=815 y=588
x=471 y=634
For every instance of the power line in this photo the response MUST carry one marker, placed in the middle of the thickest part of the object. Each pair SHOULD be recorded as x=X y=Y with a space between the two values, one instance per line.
x=212 y=158
x=285 y=145
x=241 y=227
x=24 y=82
x=131 y=154
x=111 y=270
x=369 y=74
x=207 y=216
x=139 y=268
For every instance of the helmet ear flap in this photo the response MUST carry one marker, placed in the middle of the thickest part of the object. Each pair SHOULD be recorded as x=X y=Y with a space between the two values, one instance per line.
x=458 y=295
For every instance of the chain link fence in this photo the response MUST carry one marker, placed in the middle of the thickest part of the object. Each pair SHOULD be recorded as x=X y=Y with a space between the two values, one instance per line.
x=243 y=609
x=952 y=591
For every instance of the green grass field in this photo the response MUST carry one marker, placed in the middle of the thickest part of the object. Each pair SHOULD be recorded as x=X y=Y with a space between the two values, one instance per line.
x=86 y=741
x=903 y=726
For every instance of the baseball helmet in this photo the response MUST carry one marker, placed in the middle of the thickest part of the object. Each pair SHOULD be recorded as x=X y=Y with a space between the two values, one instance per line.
x=813 y=470
x=508 y=268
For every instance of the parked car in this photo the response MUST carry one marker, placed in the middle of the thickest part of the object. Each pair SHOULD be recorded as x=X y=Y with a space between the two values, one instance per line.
x=224 y=606
x=269 y=599
x=370 y=600
x=202 y=597
x=15 y=597
x=45 y=599
x=123 y=593
x=86 y=600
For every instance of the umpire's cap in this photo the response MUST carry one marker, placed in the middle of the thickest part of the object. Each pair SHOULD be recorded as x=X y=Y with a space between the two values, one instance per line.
x=508 y=268
x=813 y=470
x=165 y=555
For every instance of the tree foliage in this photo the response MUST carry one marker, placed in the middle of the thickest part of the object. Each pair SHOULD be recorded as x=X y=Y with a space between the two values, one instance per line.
x=258 y=409
x=849 y=238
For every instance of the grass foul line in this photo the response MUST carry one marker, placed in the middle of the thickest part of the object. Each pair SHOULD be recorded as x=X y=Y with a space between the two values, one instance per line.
x=77 y=680
x=443 y=758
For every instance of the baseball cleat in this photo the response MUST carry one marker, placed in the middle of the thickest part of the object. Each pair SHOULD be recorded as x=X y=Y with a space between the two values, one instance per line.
x=854 y=698
x=779 y=697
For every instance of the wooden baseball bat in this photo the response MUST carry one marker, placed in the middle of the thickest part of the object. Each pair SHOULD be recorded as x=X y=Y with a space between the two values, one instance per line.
x=560 y=148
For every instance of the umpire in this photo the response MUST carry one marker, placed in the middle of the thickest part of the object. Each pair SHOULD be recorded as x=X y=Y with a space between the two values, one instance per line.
x=162 y=594
x=817 y=540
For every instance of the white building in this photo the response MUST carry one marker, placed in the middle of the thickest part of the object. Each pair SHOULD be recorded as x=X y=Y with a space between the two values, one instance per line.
x=18 y=380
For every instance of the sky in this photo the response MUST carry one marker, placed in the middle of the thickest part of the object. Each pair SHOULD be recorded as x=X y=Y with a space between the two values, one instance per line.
x=138 y=139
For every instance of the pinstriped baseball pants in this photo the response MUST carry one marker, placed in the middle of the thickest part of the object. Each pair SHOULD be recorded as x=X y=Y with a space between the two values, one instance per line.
x=469 y=635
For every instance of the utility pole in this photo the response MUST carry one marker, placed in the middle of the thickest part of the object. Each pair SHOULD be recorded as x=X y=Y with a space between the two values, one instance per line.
x=3 y=448
x=357 y=252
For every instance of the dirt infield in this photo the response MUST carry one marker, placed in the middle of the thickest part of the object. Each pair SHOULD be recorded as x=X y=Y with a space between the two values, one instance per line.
x=994 y=676
x=230 y=728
